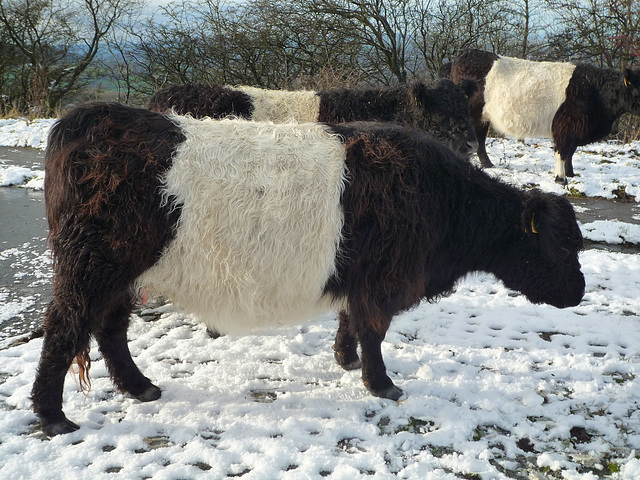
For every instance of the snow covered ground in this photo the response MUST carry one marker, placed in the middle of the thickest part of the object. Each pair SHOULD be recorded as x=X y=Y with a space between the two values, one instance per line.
x=497 y=388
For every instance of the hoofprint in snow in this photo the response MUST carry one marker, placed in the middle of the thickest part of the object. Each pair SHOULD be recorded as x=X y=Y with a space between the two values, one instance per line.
x=497 y=387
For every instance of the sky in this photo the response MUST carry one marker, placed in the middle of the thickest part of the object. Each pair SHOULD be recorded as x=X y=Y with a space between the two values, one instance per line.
x=497 y=388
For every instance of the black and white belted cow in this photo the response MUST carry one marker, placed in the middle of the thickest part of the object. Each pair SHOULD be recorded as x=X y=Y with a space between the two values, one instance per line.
x=247 y=224
x=440 y=107
x=575 y=104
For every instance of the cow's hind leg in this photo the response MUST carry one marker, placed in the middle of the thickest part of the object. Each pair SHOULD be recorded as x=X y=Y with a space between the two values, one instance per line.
x=112 y=341
x=63 y=341
x=346 y=344
x=374 y=371
x=91 y=297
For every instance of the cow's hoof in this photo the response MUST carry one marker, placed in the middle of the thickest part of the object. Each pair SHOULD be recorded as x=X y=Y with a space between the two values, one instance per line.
x=213 y=333
x=149 y=395
x=392 y=393
x=562 y=180
x=58 y=428
x=347 y=363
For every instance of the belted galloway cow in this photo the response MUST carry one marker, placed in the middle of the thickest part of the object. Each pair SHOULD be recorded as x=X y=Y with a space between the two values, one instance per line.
x=440 y=107
x=249 y=224
x=573 y=103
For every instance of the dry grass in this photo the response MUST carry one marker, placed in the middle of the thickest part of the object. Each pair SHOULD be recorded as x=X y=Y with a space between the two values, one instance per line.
x=13 y=111
x=627 y=128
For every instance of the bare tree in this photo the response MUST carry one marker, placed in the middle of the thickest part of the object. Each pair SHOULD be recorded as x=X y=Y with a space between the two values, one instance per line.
x=170 y=50
x=625 y=16
x=120 y=63
x=271 y=44
x=283 y=44
x=57 y=41
x=382 y=27
x=445 y=27
x=522 y=11
x=600 y=31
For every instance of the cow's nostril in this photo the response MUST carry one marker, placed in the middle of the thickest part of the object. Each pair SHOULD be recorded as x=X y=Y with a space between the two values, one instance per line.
x=468 y=147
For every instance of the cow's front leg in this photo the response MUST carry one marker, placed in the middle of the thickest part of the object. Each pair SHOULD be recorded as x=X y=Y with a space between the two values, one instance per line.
x=346 y=344
x=481 y=133
x=374 y=371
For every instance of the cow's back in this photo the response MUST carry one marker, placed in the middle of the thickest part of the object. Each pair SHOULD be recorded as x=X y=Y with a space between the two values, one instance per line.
x=280 y=106
x=522 y=96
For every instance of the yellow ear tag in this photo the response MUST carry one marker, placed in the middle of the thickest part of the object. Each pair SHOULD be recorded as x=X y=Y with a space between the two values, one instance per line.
x=626 y=82
x=533 y=224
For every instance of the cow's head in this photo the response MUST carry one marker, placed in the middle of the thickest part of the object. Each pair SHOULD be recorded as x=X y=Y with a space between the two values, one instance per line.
x=543 y=263
x=631 y=88
x=442 y=109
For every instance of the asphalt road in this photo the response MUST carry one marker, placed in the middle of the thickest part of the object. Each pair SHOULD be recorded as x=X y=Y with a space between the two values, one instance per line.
x=25 y=285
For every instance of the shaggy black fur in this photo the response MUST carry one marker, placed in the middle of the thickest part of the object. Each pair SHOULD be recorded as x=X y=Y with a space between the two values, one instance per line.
x=439 y=108
x=596 y=97
x=106 y=227
x=417 y=218
x=445 y=70
x=202 y=100
x=475 y=64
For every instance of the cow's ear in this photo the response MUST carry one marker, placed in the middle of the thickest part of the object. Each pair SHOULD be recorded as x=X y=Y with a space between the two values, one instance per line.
x=532 y=212
x=631 y=77
x=546 y=222
x=420 y=94
x=469 y=87
x=537 y=224
x=530 y=220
